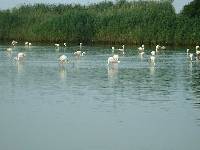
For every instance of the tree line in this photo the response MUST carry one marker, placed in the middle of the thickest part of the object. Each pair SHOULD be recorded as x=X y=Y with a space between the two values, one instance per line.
x=133 y=22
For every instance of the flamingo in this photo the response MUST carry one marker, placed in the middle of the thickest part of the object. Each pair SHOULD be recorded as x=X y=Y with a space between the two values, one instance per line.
x=163 y=47
x=77 y=53
x=197 y=50
x=191 y=56
x=121 y=50
x=83 y=53
x=113 y=59
x=152 y=57
x=9 y=49
x=81 y=46
x=26 y=43
x=197 y=47
x=157 y=48
x=63 y=59
x=20 y=56
x=14 y=42
x=188 y=51
x=153 y=53
x=141 y=49
x=57 y=45
x=113 y=49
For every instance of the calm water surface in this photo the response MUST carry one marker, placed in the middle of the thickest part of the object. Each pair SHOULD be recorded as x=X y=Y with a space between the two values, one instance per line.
x=86 y=105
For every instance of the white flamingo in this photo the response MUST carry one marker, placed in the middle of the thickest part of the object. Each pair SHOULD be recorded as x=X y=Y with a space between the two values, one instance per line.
x=83 y=53
x=141 y=49
x=197 y=47
x=26 y=43
x=121 y=49
x=187 y=51
x=9 y=49
x=114 y=59
x=77 y=53
x=113 y=49
x=152 y=57
x=163 y=47
x=63 y=59
x=14 y=42
x=197 y=50
x=191 y=56
x=157 y=48
x=197 y=53
x=57 y=45
x=81 y=46
x=153 y=53
x=20 y=56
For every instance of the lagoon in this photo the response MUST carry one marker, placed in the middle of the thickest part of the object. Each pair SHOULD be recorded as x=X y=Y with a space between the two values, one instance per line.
x=86 y=105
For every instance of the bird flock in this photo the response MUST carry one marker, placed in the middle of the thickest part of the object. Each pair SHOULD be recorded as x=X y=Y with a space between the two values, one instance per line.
x=192 y=56
x=62 y=59
x=114 y=59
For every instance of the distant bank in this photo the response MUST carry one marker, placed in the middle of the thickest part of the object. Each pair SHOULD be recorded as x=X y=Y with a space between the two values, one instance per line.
x=147 y=22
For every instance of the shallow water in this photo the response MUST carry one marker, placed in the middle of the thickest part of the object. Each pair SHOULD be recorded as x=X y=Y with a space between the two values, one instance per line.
x=86 y=105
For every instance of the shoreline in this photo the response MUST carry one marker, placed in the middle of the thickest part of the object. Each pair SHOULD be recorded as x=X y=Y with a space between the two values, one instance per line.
x=21 y=43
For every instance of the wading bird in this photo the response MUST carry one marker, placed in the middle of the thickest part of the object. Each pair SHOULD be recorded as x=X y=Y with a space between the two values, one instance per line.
x=113 y=49
x=9 y=49
x=79 y=53
x=14 y=42
x=187 y=51
x=191 y=56
x=163 y=47
x=157 y=48
x=141 y=49
x=121 y=49
x=57 y=45
x=197 y=50
x=152 y=57
x=80 y=47
x=114 y=59
x=20 y=56
x=26 y=43
x=63 y=59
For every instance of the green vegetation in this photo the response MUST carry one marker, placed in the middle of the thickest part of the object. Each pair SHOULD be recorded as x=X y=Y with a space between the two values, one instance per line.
x=147 y=22
x=188 y=24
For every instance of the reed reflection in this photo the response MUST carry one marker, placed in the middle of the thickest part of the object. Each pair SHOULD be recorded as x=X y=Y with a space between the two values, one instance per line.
x=62 y=72
x=19 y=66
x=152 y=69
x=113 y=71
